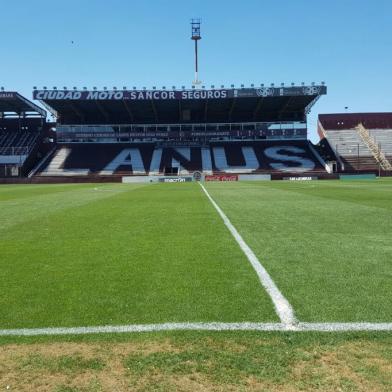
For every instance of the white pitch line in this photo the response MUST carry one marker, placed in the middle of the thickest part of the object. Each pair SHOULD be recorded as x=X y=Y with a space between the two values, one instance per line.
x=212 y=326
x=282 y=307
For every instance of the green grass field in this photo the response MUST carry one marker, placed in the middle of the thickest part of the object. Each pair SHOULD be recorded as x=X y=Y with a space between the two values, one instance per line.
x=114 y=254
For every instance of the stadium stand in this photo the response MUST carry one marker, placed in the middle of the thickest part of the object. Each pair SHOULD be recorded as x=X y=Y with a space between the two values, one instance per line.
x=360 y=141
x=132 y=132
x=22 y=126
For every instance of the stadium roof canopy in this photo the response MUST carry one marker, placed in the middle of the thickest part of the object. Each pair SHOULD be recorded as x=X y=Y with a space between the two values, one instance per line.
x=351 y=120
x=180 y=106
x=13 y=104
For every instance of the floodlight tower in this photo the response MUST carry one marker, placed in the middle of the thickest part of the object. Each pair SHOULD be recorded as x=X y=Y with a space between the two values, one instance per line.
x=195 y=23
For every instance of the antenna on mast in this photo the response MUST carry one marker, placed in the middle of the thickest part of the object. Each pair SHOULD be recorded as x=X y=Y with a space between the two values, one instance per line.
x=195 y=23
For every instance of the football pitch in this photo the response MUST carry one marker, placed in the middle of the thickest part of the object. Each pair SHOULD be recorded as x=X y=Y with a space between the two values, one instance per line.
x=117 y=255
x=260 y=286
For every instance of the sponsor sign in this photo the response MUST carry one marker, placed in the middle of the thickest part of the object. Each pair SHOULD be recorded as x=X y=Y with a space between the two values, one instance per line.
x=222 y=177
x=174 y=134
x=303 y=178
x=138 y=95
x=175 y=179
x=7 y=95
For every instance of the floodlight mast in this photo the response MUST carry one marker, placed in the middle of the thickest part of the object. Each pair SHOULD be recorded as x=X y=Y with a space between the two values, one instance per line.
x=195 y=24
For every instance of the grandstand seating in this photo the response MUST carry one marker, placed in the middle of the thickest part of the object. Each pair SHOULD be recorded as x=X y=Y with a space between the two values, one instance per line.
x=17 y=143
x=359 y=140
x=383 y=138
x=352 y=150
x=76 y=159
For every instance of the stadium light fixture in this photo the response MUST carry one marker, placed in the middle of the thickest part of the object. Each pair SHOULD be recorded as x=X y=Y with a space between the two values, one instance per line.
x=262 y=85
x=222 y=86
x=94 y=88
x=163 y=87
x=105 y=88
x=322 y=83
x=45 y=88
x=313 y=83
x=232 y=85
x=212 y=86
x=85 y=88
x=134 y=87
x=272 y=84
x=252 y=85
x=124 y=87
x=34 y=88
x=183 y=87
x=75 y=88
x=65 y=88
x=144 y=88
x=303 y=84
x=203 y=87
x=242 y=86
x=173 y=87
x=114 y=88
x=193 y=87
x=2 y=88
x=54 y=88
x=154 y=87
x=282 y=84
x=292 y=84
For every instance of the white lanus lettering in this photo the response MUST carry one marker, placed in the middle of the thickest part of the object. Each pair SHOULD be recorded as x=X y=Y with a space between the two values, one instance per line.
x=171 y=95
x=148 y=95
x=223 y=94
x=133 y=95
x=140 y=95
x=156 y=94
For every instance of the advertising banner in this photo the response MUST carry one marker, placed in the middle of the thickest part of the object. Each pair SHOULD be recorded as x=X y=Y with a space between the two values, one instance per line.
x=175 y=179
x=138 y=95
x=222 y=177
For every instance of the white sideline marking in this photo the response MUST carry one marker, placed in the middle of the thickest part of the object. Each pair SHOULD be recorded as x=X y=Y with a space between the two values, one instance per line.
x=282 y=307
x=213 y=326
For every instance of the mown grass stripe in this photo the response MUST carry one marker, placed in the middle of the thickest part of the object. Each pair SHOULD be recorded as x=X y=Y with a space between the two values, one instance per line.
x=283 y=308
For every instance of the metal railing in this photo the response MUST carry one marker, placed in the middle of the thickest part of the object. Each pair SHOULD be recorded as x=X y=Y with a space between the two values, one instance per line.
x=12 y=151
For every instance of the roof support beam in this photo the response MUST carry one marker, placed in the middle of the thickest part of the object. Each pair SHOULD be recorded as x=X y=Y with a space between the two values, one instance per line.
x=154 y=109
x=257 y=108
x=232 y=108
x=102 y=110
x=76 y=111
x=284 y=108
x=129 y=111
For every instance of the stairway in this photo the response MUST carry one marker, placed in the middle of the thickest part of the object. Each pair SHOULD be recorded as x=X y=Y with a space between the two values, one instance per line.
x=373 y=147
x=55 y=167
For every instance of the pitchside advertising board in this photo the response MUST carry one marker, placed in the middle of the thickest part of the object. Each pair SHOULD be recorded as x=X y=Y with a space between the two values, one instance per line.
x=303 y=178
x=222 y=177
x=136 y=95
x=175 y=179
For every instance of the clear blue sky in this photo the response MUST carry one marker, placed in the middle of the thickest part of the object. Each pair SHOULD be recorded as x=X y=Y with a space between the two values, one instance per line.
x=346 y=43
